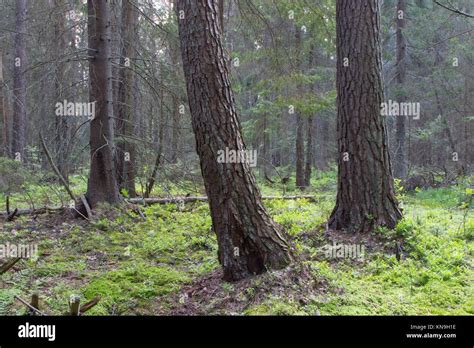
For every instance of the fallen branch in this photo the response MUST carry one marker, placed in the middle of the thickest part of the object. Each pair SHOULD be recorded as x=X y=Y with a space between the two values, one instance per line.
x=86 y=306
x=28 y=305
x=86 y=206
x=9 y=264
x=11 y=216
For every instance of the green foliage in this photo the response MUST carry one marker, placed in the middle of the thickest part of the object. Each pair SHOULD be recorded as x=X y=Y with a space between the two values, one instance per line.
x=12 y=176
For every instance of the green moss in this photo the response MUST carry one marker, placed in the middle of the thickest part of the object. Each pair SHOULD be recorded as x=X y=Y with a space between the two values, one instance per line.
x=132 y=284
x=130 y=261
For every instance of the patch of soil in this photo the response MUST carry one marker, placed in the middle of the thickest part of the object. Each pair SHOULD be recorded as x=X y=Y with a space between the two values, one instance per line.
x=210 y=295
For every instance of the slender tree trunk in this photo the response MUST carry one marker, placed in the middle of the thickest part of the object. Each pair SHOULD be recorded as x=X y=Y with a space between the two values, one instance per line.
x=401 y=165
x=439 y=59
x=265 y=148
x=126 y=98
x=61 y=122
x=4 y=114
x=300 y=182
x=118 y=90
x=19 y=83
x=325 y=142
x=309 y=129
x=175 y=119
x=250 y=242
x=365 y=195
x=102 y=184
x=309 y=152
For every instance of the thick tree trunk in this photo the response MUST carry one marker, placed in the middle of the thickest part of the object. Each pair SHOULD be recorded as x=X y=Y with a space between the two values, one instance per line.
x=102 y=184
x=401 y=165
x=365 y=195
x=250 y=242
x=19 y=83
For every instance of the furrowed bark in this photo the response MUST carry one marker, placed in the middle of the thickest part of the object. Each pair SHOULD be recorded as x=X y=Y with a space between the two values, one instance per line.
x=365 y=194
x=250 y=242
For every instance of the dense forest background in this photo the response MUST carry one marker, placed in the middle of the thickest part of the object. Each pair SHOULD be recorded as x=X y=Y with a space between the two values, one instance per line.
x=283 y=73
x=281 y=63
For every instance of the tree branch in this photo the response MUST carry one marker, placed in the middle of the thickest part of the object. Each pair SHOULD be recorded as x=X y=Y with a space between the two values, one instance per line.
x=455 y=10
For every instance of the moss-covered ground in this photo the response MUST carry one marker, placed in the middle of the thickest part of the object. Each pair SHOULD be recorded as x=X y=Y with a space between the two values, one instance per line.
x=166 y=263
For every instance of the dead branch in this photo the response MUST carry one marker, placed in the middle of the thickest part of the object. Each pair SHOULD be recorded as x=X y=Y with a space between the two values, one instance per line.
x=9 y=264
x=86 y=306
x=28 y=305
x=55 y=168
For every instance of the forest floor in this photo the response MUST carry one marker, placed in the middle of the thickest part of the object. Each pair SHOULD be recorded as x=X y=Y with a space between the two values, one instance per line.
x=166 y=263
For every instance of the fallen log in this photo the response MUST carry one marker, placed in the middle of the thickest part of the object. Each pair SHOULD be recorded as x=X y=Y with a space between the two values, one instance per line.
x=146 y=201
x=36 y=211
x=189 y=199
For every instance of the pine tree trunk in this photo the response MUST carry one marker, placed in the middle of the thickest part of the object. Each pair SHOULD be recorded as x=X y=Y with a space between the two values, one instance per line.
x=19 y=83
x=250 y=242
x=365 y=195
x=102 y=183
x=400 y=166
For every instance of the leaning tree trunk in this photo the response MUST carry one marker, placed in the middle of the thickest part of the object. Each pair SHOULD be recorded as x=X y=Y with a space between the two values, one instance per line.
x=250 y=242
x=365 y=195
x=401 y=165
x=102 y=183
x=19 y=83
